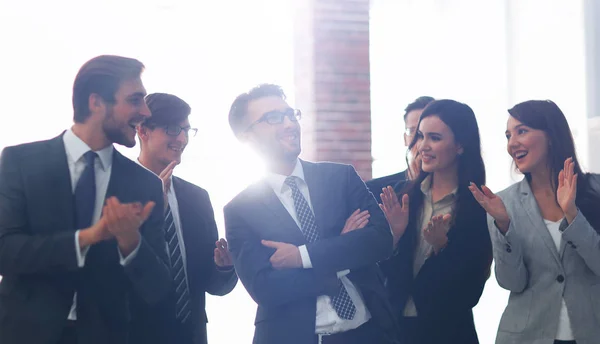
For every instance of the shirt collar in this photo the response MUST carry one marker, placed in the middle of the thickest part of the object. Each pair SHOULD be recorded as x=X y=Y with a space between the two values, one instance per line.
x=426 y=188
x=170 y=178
x=277 y=181
x=76 y=148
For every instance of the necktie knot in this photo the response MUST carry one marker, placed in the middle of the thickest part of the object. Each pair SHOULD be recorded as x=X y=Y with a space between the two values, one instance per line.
x=90 y=158
x=291 y=182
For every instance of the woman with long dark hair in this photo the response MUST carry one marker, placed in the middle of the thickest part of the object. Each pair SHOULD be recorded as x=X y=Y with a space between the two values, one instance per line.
x=442 y=251
x=545 y=233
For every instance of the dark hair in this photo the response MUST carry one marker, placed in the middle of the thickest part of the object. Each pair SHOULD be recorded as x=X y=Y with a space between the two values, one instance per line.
x=460 y=118
x=545 y=115
x=166 y=109
x=418 y=104
x=103 y=76
x=239 y=107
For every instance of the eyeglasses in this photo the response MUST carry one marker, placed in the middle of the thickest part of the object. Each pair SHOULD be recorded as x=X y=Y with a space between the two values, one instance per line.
x=278 y=116
x=175 y=130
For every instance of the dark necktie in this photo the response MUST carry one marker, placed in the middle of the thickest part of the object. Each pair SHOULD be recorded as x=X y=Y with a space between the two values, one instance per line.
x=85 y=193
x=182 y=293
x=342 y=303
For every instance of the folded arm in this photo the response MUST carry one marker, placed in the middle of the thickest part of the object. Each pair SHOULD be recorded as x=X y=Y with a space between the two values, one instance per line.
x=266 y=285
x=358 y=248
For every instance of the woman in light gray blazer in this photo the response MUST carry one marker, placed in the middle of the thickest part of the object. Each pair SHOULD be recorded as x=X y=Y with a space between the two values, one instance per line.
x=545 y=234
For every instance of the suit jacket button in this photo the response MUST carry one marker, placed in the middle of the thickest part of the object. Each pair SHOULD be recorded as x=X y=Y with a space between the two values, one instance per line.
x=560 y=278
x=508 y=249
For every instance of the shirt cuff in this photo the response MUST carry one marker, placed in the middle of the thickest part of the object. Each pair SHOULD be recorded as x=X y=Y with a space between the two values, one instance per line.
x=306 y=263
x=343 y=273
x=80 y=252
x=224 y=268
x=126 y=260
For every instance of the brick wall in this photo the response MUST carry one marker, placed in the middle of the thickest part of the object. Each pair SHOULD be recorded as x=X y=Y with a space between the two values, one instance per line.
x=333 y=81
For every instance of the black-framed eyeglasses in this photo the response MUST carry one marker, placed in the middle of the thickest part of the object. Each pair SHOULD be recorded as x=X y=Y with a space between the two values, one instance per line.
x=277 y=117
x=175 y=130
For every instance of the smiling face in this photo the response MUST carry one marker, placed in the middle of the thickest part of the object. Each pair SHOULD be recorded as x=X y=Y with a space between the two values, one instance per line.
x=277 y=142
x=527 y=146
x=164 y=148
x=128 y=110
x=436 y=145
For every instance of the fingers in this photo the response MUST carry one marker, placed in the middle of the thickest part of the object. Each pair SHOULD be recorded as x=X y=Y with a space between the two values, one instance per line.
x=479 y=196
x=405 y=202
x=574 y=181
x=218 y=256
x=446 y=219
x=363 y=222
x=352 y=216
x=146 y=211
x=487 y=192
x=392 y=195
x=166 y=173
x=272 y=244
x=222 y=244
x=561 y=178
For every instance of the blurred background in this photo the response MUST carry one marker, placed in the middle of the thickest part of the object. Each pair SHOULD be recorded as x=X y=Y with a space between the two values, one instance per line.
x=351 y=66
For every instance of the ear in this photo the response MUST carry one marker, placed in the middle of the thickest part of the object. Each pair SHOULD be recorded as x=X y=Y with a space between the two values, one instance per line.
x=96 y=103
x=406 y=142
x=143 y=132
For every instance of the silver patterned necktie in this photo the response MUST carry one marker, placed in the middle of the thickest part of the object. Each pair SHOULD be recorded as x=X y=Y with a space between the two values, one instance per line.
x=342 y=303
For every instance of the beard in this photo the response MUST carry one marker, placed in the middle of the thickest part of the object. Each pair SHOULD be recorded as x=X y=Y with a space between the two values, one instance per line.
x=115 y=131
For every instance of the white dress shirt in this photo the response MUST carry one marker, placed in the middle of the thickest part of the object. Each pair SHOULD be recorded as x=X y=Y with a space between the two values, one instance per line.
x=174 y=205
x=328 y=321
x=423 y=250
x=75 y=149
x=564 y=330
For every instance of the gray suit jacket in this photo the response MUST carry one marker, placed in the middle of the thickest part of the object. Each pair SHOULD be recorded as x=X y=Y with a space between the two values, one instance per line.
x=538 y=276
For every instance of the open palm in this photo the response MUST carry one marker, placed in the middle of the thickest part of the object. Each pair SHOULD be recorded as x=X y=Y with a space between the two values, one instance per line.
x=566 y=193
x=492 y=204
x=395 y=212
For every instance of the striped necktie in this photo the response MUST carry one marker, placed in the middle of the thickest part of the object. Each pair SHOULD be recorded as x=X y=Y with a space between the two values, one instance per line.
x=182 y=292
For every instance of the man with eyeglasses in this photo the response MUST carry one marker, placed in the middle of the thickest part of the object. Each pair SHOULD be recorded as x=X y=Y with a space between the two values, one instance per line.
x=200 y=263
x=412 y=113
x=314 y=279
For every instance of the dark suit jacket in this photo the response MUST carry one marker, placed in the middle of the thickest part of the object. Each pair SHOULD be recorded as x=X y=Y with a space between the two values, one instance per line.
x=396 y=181
x=37 y=250
x=287 y=298
x=448 y=285
x=157 y=324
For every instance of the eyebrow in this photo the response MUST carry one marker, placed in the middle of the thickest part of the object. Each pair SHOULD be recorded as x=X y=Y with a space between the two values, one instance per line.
x=137 y=95
x=431 y=133
x=516 y=127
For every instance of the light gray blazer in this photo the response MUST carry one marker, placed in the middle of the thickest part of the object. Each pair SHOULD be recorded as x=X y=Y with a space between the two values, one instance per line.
x=538 y=276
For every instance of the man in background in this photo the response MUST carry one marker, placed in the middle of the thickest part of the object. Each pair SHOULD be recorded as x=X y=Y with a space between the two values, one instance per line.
x=200 y=263
x=412 y=113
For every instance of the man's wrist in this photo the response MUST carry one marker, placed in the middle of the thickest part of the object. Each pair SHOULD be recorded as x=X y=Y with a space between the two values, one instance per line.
x=127 y=243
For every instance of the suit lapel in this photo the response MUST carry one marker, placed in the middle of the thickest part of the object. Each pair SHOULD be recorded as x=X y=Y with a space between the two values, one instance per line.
x=56 y=168
x=318 y=195
x=531 y=207
x=276 y=208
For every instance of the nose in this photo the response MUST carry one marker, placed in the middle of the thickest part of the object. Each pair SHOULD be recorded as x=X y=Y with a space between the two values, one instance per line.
x=183 y=137
x=145 y=111
x=288 y=123
x=422 y=145
x=512 y=143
